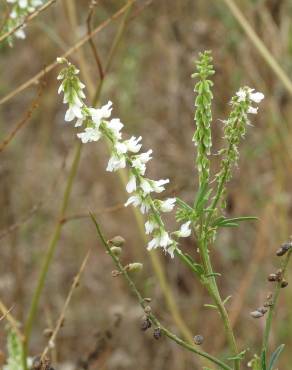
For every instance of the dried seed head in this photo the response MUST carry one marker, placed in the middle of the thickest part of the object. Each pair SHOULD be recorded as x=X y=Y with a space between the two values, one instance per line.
x=157 y=333
x=116 y=251
x=284 y=283
x=272 y=277
x=147 y=310
x=256 y=314
x=134 y=267
x=270 y=295
x=117 y=241
x=279 y=275
x=198 y=339
x=145 y=324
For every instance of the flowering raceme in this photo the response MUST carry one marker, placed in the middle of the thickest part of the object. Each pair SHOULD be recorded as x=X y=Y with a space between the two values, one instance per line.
x=20 y=9
x=98 y=124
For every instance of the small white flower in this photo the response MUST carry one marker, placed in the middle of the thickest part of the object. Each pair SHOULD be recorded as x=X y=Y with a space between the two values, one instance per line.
x=144 y=207
x=165 y=239
x=132 y=144
x=150 y=226
x=134 y=199
x=116 y=162
x=185 y=230
x=157 y=186
x=252 y=110
x=146 y=186
x=100 y=113
x=115 y=125
x=121 y=148
x=161 y=240
x=90 y=134
x=20 y=34
x=132 y=185
x=140 y=161
x=154 y=243
x=167 y=205
x=72 y=112
x=241 y=94
x=256 y=97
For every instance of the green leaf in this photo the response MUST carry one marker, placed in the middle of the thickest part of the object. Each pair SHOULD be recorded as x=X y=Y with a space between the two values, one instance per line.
x=196 y=266
x=231 y=222
x=263 y=360
x=240 y=356
x=275 y=355
x=202 y=198
x=210 y=306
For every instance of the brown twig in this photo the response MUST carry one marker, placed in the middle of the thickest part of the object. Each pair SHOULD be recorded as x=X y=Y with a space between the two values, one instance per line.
x=34 y=105
x=70 y=51
x=27 y=19
x=91 y=43
x=13 y=323
x=60 y=320
x=78 y=216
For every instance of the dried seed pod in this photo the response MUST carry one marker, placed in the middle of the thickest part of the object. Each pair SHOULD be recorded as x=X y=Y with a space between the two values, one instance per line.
x=117 y=241
x=147 y=310
x=284 y=283
x=148 y=300
x=272 y=277
x=262 y=310
x=157 y=333
x=145 y=324
x=270 y=295
x=198 y=339
x=284 y=249
x=256 y=314
x=279 y=275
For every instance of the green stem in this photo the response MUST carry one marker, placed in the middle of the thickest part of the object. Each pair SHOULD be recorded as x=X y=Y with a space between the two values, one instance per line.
x=151 y=316
x=49 y=255
x=272 y=308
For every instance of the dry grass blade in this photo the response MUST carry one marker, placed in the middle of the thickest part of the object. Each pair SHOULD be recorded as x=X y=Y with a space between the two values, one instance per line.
x=260 y=46
x=23 y=121
x=7 y=315
x=60 y=320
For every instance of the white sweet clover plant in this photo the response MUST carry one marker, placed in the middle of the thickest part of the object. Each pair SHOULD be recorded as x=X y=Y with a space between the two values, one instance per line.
x=206 y=215
x=20 y=9
x=98 y=124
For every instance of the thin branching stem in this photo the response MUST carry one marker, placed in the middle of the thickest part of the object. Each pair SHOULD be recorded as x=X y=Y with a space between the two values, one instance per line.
x=272 y=308
x=151 y=316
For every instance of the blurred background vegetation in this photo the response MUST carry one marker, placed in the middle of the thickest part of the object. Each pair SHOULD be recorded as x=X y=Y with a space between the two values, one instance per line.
x=150 y=85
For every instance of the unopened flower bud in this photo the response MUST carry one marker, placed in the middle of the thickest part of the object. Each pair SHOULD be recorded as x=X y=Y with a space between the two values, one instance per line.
x=47 y=333
x=134 y=267
x=115 y=273
x=116 y=251
x=256 y=314
x=283 y=249
x=117 y=241
x=147 y=310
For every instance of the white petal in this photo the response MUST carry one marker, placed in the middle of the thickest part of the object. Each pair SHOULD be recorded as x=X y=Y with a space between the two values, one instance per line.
x=146 y=186
x=167 y=205
x=131 y=186
x=185 y=230
x=252 y=110
x=257 y=97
